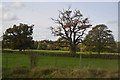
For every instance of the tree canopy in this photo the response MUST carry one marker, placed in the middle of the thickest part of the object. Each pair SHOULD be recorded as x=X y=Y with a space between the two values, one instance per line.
x=18 y=37
x=99 y=38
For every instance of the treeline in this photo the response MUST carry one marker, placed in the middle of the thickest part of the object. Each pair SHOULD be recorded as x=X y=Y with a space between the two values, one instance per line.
x=61 y=44
x=51 y=45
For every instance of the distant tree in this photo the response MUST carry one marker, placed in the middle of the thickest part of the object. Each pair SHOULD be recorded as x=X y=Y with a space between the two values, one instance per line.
x=82 y=47
x=99 y=38
x=18 y=37
x=61 y=42
x=35 y=45
x=42 y=46
x=118 y=47
x=71 y=26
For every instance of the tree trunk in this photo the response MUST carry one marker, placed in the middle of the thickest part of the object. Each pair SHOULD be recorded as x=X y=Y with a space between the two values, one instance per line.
x=99 y=49
x=72 y=48
x=20 y=49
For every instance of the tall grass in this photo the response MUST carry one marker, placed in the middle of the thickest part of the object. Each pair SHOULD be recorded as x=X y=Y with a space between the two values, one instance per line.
x=85 y=72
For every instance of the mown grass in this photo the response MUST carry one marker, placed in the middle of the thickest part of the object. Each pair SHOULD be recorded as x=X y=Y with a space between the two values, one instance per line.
x=11 y=61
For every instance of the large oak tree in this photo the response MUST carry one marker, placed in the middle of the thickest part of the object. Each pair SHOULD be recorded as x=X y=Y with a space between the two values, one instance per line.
x=18 y=37
x=71 y=27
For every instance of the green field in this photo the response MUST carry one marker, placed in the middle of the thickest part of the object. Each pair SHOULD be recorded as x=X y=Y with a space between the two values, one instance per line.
x=12 y=61
x=59 y=51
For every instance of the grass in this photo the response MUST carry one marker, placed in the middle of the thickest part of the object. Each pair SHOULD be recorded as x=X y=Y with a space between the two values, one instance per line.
x=11 y=61
x=59 y=51
x=38 y=72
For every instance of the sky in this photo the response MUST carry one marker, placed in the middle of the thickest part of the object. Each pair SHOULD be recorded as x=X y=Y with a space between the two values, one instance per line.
x=40 y=14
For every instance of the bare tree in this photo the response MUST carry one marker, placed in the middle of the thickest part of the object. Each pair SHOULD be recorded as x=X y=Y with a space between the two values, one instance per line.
x=71 y=27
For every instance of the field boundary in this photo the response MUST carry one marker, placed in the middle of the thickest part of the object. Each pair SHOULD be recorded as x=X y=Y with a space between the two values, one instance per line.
x=102 y=56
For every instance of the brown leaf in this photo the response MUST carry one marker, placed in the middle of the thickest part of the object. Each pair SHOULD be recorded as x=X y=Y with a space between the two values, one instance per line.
x=68 y=25
x=84 y=27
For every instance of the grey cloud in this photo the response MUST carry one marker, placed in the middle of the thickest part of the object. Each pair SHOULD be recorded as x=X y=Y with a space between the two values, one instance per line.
x=8 y=16
x=1 y=6
x=17 y=5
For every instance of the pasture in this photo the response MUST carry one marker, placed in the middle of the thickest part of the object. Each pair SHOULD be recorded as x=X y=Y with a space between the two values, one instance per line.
x=12 y=61
x=18 y=66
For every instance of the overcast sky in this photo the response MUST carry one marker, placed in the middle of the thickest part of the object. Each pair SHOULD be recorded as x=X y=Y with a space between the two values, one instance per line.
x=39 y=14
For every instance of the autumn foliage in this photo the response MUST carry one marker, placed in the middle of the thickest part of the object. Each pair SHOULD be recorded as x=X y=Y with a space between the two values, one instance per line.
x=72 y=27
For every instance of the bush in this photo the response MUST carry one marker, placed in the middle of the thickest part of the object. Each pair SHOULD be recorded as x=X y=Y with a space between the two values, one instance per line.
x=65 y=48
